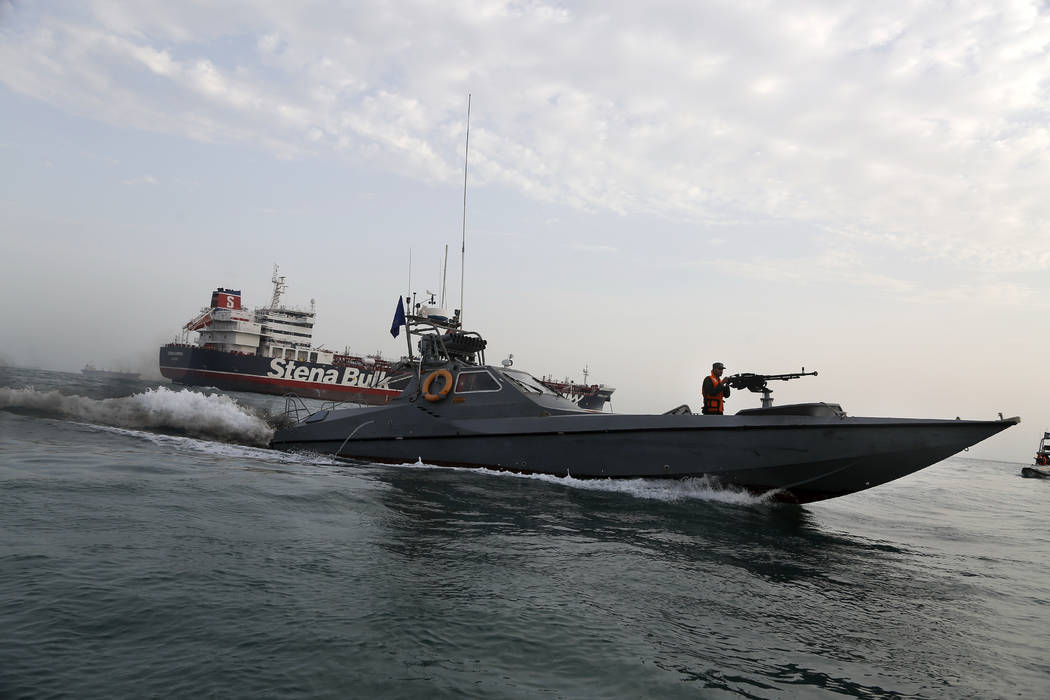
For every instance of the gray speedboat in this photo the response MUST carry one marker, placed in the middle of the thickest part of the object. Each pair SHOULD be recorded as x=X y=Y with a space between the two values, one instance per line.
x=458 y=411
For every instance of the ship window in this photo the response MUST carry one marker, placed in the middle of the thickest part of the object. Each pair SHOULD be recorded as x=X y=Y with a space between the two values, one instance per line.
x=475 y=381
x=528 y=383
x=313 y=357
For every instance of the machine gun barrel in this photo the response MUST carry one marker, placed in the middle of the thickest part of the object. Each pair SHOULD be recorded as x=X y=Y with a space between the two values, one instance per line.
x=757 y=382
x=789 y=375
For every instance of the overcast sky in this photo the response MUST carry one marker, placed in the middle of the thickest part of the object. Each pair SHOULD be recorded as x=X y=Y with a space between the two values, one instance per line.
x=857 y=188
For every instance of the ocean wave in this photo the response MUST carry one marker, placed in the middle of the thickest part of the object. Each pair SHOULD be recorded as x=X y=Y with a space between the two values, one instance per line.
x=226 y=449
x=184 y=412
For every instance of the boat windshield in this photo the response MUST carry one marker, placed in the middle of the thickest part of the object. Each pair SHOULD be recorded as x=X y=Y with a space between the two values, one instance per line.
x=528 y=383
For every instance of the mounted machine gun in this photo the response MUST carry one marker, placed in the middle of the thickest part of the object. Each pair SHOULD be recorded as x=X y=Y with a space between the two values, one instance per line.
x=757 y=382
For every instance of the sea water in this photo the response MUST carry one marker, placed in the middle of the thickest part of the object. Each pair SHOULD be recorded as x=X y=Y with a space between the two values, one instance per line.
x=151 y=545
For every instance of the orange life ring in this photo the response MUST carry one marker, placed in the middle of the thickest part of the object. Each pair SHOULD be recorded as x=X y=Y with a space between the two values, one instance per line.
x=443 y=392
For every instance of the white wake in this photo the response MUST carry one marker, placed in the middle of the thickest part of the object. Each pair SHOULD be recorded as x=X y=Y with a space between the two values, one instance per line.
x=209 y=416
x=669 y=490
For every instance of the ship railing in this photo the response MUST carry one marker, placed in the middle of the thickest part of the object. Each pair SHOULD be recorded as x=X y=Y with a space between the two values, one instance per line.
x=571 y=389
x=440 y=342
x=295 y=407
x=447 y=341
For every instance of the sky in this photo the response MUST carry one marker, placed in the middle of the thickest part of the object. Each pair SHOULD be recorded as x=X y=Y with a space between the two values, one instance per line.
x=854 y=188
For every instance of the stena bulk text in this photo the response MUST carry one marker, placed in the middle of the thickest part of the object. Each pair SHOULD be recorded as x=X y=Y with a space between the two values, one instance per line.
x=351 y=376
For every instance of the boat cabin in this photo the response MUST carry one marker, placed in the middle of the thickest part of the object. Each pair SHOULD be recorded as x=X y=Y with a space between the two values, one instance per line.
x=1042 y=455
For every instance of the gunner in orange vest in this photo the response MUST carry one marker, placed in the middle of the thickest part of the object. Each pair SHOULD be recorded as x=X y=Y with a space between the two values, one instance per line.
x=715 y=391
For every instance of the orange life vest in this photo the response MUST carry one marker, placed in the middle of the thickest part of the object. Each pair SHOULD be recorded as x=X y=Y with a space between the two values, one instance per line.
x=714 y=403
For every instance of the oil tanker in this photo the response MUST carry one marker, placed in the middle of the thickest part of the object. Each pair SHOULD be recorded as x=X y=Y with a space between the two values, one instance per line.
x=270 y=350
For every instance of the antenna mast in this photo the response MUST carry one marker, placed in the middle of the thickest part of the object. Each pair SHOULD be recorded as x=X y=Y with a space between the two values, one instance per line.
x=463 y=248
x=444 y=274
x=278 y=288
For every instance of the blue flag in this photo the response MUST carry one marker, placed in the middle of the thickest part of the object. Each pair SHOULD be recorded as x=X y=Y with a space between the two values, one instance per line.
x=399 y=318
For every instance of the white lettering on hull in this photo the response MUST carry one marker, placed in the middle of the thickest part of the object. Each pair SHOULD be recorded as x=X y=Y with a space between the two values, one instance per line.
x=287 y=369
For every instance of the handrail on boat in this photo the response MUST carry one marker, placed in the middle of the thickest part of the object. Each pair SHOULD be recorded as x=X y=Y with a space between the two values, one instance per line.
x=295 y=407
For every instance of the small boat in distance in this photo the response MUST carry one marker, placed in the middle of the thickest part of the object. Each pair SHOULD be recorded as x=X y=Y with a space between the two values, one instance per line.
x=90 y=371
x=456 y=410
x=1042 y=459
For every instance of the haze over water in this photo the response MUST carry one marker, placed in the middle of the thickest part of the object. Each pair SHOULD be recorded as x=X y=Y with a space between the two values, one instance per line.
x=854 y=188
x=153 y=547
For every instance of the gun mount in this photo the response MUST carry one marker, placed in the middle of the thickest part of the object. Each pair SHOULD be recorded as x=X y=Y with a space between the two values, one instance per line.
x=757 y=382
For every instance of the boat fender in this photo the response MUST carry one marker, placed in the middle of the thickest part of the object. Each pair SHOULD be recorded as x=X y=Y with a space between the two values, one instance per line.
x=443 y=392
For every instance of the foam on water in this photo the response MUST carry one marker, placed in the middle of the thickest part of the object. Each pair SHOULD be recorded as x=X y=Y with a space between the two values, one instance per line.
x=224 y=449
x=210 y=416
x=669 y=490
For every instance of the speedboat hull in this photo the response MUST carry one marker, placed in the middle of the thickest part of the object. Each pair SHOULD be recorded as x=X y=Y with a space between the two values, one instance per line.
x=795 y=458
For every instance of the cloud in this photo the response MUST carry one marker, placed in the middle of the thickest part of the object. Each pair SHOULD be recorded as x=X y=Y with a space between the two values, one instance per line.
x=914 y=127
x=825 y=271
x=586 y=248
x=144 y=180
x=987 y=294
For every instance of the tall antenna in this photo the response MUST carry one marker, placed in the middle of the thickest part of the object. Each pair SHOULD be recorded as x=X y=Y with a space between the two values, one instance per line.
x=444 y=273
x=463 y=248
x=278 y=288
